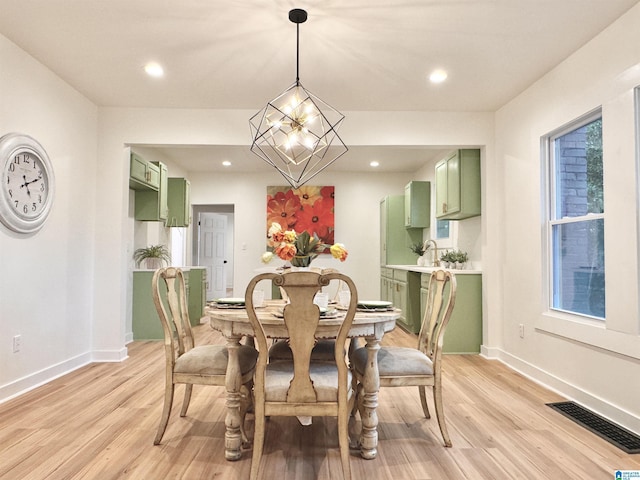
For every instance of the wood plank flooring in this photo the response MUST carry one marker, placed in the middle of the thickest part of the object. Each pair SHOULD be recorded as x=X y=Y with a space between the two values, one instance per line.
x=99 y=423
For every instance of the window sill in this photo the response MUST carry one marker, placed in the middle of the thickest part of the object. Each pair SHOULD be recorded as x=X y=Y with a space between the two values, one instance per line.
x=589 y=332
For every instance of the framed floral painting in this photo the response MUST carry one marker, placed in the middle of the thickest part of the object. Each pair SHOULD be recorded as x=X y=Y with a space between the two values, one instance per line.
x=308 y=208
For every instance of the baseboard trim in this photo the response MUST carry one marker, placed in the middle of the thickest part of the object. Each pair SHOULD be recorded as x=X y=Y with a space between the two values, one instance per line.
x=25 y=384
x=567 y=390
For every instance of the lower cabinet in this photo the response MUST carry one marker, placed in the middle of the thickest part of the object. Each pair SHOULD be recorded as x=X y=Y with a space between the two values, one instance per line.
x=402 y=288
x=145 y=322
x=464 y=332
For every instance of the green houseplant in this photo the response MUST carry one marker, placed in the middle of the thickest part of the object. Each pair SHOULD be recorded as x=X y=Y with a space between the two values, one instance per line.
x=153 y=256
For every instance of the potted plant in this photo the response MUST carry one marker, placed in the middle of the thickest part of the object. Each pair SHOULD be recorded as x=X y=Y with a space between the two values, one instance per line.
x=461 y=259
x=418 y=249
x=447 y=259
x=153 y=256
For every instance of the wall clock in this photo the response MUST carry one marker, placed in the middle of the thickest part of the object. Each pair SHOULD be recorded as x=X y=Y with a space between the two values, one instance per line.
x=28 y=185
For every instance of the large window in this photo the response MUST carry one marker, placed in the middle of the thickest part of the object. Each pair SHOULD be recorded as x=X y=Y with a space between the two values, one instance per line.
x=576 y=219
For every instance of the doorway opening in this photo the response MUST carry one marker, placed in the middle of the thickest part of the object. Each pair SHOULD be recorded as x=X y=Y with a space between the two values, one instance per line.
x=213 y=228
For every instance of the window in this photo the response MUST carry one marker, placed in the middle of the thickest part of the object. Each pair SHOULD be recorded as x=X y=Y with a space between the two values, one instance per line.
x=442 y=229
x=576 y=219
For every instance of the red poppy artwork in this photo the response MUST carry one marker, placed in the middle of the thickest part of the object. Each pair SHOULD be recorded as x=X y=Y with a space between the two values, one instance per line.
x=308 y=208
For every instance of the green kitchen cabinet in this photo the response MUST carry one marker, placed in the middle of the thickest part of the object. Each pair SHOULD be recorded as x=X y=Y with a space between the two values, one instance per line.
x=395 y=239
x=458 y=191
x=406 y=296
x=143 y=175
x=179 y=203
x=386 y=284
x=417 y=204
x=464 y=332
x=152 y=205
x=145 y=322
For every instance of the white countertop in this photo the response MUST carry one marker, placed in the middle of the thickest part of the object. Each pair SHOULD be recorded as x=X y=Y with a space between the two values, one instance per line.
x=417 y=268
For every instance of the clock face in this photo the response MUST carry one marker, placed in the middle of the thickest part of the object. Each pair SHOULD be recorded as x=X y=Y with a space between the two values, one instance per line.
x=26 y=192
x=26 y=184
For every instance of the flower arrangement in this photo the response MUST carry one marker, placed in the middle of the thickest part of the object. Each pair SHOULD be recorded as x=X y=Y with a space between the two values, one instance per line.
x=298 y=248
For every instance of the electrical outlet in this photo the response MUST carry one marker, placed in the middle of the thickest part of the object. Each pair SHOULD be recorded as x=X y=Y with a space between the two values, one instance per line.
x=521 y=330
x=17 y=343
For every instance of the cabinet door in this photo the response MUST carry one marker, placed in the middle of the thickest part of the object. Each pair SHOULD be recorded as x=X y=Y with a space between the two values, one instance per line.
x=458 y=185
x=453 y=184
x=441 y=188
x=163 y=206
x=417 y=204
x=142 y=174
x=179 y=203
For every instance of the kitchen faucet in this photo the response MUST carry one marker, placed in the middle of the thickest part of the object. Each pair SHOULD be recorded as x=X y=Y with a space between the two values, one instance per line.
x=429 y=244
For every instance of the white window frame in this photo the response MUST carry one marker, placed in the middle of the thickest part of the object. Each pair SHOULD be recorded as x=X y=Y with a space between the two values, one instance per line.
x=551 y=208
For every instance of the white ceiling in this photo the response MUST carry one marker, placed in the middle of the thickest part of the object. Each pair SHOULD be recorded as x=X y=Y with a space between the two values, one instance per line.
x=354 y=54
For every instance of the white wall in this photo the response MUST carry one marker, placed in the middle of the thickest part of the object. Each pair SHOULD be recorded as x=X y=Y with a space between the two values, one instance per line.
x=46 y=279
x=596 y=364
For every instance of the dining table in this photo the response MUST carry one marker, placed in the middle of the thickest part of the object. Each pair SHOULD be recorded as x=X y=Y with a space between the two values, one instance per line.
x=369 y=324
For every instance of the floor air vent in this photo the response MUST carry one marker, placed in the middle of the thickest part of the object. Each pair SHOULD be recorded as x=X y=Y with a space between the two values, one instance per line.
x=612 y=433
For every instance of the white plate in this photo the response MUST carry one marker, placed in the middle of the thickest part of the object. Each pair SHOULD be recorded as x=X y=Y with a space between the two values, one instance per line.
x=231 y=301
x=374 y=304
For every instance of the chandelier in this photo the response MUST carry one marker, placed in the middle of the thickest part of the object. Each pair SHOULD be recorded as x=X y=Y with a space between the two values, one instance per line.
x=297 y=133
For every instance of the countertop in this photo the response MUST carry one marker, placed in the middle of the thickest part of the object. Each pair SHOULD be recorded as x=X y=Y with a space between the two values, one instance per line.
x=417 y=268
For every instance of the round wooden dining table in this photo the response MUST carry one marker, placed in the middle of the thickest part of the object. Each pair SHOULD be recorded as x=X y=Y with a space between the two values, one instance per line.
x=234 y=324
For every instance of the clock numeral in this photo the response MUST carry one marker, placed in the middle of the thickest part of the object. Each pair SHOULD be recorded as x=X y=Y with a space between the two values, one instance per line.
x=33 y=207
x=42 y=187
x=25 y=209
x=39 y=198
x=12 y=167
x=16 y=202
x=16 y=160
x=11 y=193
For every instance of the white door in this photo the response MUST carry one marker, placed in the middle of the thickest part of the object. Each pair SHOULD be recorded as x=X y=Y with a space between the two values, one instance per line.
x=211 y=252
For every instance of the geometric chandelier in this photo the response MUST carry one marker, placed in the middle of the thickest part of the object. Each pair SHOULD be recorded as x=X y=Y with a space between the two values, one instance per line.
x=297 y=133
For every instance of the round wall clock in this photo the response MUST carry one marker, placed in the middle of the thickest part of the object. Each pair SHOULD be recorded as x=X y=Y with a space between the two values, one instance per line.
x=26 y=194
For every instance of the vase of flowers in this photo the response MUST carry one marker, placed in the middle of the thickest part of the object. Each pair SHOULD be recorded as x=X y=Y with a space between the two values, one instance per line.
x=298 y=248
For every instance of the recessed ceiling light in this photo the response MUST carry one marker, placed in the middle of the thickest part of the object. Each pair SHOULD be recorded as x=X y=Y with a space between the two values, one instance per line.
x=374 y=163
x=438 y=76
x=154 y=69
x=226 y=163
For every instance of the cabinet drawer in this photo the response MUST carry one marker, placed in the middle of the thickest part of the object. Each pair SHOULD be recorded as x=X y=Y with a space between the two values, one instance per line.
x=386 y=272
x=400 y=275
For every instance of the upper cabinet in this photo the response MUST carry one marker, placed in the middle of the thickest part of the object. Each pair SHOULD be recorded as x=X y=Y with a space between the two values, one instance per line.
x=458 y=185
x=179 y=203
x=417 y=204
x=151 y=204
x=143 y=175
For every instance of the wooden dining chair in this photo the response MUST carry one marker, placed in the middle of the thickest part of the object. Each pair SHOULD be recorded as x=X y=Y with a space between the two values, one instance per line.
x=185 y=362
x=323 y=349
x=302 y=386
x=421 y=366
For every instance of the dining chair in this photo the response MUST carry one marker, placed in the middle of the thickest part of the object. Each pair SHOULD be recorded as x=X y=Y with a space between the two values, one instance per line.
x=302 y=386
x=185 y=362
x=323 y=349
x=421 y=366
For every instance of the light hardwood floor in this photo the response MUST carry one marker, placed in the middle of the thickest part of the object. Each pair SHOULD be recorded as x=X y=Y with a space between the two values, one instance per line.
x=99 y=423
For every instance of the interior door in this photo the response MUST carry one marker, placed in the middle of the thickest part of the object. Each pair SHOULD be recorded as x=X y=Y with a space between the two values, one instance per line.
x=212 y=252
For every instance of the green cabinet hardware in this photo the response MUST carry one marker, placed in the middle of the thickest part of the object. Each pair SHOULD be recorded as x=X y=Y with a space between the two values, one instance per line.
x=395 y=239
x=464 y=332
x=458 y=185
x=179 y=203
x=145 y=322
x=417 y=204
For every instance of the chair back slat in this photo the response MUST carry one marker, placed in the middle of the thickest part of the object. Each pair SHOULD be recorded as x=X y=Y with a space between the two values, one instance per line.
x=301 y=318
x=172 y=311
x=441 y=296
